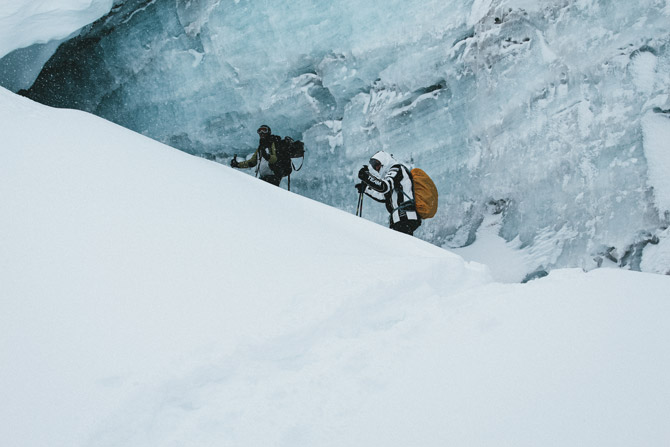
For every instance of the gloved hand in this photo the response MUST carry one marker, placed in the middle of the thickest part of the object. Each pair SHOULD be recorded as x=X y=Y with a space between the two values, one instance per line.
x=360 y=187
x=265 y=153
x=371 y=181
x=363 y=174
x=234 y=163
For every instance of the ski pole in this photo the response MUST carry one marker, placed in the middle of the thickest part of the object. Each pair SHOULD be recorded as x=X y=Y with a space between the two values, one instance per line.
x=359 y=208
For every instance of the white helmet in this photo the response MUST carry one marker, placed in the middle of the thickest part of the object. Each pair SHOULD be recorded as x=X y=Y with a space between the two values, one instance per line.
x=381 y=162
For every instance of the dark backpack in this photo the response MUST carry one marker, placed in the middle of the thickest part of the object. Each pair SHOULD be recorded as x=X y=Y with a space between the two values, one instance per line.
x=287 y=149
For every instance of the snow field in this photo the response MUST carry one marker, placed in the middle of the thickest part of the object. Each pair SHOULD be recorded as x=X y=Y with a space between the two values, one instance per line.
x=139 y=308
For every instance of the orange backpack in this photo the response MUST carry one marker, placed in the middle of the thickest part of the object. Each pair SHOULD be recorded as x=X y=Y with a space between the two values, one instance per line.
x=425 y=194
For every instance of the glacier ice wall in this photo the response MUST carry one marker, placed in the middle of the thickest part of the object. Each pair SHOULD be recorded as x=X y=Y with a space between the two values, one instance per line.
x=552 y=111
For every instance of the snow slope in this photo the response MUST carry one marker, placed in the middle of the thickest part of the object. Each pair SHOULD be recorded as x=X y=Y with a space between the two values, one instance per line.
x=138 y=308
x=26 y=22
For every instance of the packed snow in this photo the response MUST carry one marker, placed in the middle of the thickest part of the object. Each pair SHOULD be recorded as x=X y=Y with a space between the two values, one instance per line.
x=27 y=22
x=150 y=297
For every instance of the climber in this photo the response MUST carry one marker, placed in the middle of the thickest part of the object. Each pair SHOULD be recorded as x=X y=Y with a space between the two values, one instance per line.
x=264 y=158
x=392 y=186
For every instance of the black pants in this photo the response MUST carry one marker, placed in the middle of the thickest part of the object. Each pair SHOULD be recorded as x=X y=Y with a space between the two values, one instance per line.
x=406 y=226
x=274 y=179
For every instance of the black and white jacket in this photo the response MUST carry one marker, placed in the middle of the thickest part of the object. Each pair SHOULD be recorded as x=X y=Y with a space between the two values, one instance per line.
x=395 y=190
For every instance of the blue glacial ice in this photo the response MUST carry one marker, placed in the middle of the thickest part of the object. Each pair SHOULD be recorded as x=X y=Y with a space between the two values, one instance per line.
x=551 y=113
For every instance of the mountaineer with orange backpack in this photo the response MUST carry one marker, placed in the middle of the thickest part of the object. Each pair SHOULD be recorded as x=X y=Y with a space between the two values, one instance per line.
x=409 y=195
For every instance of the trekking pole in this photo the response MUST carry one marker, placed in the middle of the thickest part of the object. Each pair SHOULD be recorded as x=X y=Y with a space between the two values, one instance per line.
x=359 y=207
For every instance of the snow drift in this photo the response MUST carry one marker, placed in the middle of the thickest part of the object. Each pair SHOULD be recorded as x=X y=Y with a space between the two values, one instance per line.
x=149 y=297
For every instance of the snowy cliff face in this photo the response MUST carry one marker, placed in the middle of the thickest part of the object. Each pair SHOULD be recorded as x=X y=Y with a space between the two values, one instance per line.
x=551 y=114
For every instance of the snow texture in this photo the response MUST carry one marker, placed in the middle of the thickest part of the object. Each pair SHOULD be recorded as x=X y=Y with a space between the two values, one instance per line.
x=141 y=308
x=27 y=22
x=150 y=297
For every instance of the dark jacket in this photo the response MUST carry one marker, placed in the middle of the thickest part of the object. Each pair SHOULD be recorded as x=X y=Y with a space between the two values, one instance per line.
x=265 y=156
